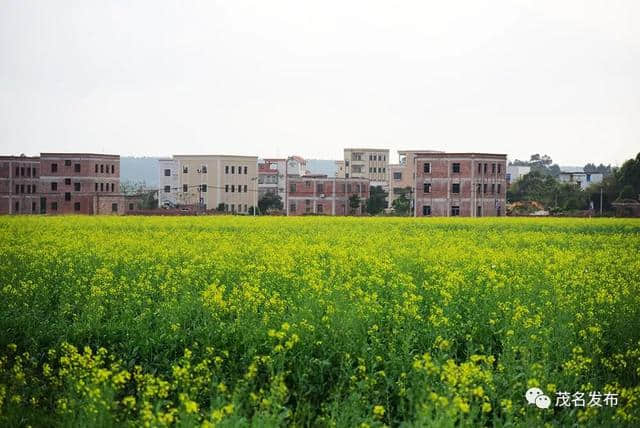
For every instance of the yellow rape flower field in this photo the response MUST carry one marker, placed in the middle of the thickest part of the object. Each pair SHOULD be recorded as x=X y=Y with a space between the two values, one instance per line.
x=357 y=322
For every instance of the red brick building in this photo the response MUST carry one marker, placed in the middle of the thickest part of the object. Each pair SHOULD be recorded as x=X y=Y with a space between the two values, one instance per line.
x=318 y=194
x=61 y=183
x=460 y=184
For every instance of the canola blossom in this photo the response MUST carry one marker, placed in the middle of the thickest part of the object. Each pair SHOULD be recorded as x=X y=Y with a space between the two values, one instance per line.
x=236 y=321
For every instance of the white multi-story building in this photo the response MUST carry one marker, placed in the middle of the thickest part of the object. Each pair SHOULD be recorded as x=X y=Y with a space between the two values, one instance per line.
x=514 y=173
x=581 y=178
x=169 y=182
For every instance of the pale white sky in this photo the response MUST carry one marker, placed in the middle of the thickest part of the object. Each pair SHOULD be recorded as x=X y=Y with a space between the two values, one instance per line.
x=277 y=77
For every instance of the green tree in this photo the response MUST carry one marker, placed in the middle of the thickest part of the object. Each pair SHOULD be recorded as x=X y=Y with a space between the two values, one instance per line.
x=354 y=203
x=270 y=202
x=629 y=175
x=627 y=192
x=401 y=205
x=377 y=200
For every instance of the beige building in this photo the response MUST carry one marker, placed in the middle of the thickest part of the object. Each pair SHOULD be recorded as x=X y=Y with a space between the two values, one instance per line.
x=372 y=164
x=212 y=181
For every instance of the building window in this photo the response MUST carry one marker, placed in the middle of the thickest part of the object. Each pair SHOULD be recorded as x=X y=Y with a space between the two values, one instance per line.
x=397 y=176
x=67 y=162
x=102 y=187
x=203 y=168
x=130 y=207
x=185 y=188
x=114 y=208
x=493 y=168
x=245 y=170
x=426 y=210
x=76 y=206
x=76 y=187
x=498 y=187
x=485 y=187
x=233 y=188
x=226 y=188
x=28 y=172
x=455 y=167
x=54 y=186
x=239 y=172
x=33 y=188
x=96 y=168
x=113 y=186
x=22 y=188
x=102 y=169
x=226 y=169
x=493 y=188
x=455 y=210
x=233 y=169
x=54 y=167
x=203 y=187
x=33 y=207
x=17 y=207
x=28 y=188
x=427 y=168
x=499 y=168
x=17 y=171
x=384 y=169
x=113 y=169
x=292 y=188
x=167 y=173
x=76 y=167
x=426 y=187
x=307 y=184
x=34 y=172
x=17 y=188
x=320 y=188
x=455 y=188
x=320 y=209
x=167 y=189
x=485 y=168
x=54 y=206
x=245 y=188
x=292 y=207
x=67 y=196
x=478 y=188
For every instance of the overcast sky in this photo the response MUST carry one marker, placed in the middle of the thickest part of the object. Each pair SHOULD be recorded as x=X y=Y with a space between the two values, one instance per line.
x=273 y=78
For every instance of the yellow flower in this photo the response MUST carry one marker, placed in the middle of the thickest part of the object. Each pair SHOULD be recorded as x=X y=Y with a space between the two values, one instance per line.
x=378 y=411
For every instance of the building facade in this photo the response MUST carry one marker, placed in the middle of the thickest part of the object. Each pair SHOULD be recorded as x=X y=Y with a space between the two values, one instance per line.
x=460 y=184
x=60 y=183
x=371 y=164
x=208 y=182
x=402 y=175
x=20 y=185
x=322 y=195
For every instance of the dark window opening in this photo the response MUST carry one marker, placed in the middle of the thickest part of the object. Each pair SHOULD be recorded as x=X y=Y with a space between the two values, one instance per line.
x=455 y=188
x=455 y=167
x=426 y=210
x=455 y=211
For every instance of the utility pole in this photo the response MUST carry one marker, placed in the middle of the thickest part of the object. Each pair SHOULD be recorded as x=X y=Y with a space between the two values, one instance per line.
x=600 y=200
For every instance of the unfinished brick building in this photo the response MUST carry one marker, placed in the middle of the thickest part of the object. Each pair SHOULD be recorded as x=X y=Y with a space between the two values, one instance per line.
x=61 y=183
x=319 y=194
x=460 y=184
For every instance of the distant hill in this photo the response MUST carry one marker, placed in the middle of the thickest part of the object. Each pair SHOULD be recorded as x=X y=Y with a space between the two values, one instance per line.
x=139 y=170
x=322 y=166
